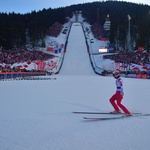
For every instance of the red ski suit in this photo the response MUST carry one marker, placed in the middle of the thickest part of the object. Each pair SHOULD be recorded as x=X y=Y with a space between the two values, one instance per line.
x=116 y=99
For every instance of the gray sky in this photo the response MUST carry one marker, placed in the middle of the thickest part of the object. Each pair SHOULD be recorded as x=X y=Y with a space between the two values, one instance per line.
x=25 y=6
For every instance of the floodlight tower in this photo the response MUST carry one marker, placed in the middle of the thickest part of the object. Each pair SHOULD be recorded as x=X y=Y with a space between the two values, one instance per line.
x=129 y=35
x=107 y=25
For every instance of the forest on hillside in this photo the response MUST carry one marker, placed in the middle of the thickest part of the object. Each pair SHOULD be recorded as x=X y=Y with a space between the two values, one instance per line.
x=17 y=30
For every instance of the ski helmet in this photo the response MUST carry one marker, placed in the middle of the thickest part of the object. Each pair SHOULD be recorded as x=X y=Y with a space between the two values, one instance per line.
x=116 y=73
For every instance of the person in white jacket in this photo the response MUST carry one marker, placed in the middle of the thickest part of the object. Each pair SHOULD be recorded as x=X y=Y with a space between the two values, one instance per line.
x=116 y=99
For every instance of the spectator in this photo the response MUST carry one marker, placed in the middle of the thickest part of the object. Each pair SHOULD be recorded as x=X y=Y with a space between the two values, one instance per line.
x=9 y=57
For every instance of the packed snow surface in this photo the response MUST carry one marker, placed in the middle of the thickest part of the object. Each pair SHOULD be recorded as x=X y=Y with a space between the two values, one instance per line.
x=37 y=114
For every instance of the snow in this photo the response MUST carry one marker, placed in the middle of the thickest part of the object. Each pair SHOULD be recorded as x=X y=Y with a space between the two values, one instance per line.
x=37 y=114
x=76 y=58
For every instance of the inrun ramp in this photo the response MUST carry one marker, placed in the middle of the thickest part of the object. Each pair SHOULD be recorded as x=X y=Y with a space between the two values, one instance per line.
x=76 y=60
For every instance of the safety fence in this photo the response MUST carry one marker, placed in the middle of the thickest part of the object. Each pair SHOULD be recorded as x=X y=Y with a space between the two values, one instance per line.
x=13 y=75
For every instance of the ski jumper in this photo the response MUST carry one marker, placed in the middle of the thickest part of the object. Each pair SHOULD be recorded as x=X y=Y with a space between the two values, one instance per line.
x=116 y=99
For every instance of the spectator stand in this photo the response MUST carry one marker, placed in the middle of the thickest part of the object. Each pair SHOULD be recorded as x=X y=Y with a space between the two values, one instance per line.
x=21 y=63
x=131 y=64
x=17 y=63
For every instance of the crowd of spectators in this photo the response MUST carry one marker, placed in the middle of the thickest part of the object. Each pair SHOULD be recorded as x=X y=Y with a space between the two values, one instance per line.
x=98 y=31
x=139 y=58
x=56 y=29
x=10 y=57
x=140 y=62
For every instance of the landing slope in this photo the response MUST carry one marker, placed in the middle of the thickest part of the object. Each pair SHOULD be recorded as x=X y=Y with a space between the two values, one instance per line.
x=76 y=61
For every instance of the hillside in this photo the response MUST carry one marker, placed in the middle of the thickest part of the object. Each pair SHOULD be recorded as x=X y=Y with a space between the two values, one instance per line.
x=18 y=30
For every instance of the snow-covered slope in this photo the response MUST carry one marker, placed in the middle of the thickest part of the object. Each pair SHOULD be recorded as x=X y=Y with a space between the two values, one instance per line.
x=37 y=114
x=76 y=59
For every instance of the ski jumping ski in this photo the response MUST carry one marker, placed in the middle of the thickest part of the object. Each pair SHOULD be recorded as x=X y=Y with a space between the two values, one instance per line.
x=113 y=118
x=82 y=112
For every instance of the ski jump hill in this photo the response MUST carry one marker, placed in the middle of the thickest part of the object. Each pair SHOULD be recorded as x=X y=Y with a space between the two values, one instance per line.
x=76 y=59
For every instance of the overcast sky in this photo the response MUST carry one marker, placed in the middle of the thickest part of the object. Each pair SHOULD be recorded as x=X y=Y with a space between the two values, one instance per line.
x=25 y=6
